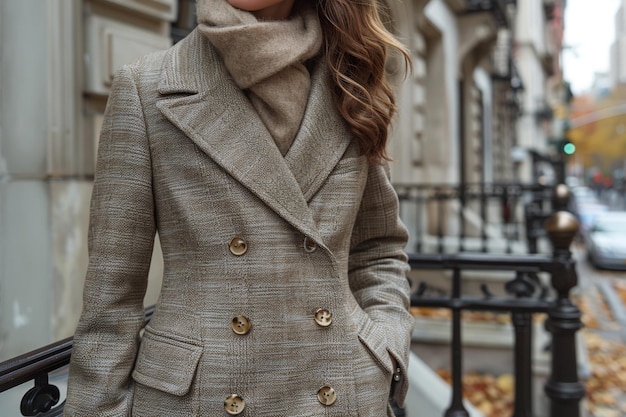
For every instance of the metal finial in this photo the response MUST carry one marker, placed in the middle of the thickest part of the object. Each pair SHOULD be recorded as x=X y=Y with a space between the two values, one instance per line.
x=560 y=197
x=562 y=228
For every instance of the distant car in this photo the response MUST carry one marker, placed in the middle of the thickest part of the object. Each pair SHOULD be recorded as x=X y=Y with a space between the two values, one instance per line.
x=586 y=206
x=606 y=240
x=588 y=212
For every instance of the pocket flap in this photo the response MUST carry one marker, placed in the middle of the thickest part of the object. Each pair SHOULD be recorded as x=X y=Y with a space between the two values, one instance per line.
x=166 y=364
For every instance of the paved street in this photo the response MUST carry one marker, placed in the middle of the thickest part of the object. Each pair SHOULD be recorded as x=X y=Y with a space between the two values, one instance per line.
x=603 y=299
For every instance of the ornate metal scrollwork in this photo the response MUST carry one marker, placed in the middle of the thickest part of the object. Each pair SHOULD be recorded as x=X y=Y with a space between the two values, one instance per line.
x=41 y=398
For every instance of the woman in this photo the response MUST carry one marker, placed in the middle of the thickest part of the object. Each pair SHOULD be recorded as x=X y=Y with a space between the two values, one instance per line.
x=256 y=148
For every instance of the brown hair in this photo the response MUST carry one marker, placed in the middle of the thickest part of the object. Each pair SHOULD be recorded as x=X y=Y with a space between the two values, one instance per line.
x=356 y=46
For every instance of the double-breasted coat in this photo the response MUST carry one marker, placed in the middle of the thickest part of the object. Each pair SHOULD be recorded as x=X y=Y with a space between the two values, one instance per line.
x=284 y=290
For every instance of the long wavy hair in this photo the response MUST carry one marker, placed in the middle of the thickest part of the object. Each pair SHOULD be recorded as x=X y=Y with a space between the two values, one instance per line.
x=356 y=46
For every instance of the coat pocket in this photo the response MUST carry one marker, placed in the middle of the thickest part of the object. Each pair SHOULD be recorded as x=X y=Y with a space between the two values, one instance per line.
x=166 y=364
x=372 y=336
x=372 y=368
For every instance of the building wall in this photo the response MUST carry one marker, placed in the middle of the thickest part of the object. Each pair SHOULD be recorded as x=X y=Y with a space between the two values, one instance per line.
x=406 y=141
x=51 y=106
x=484 y=164
x=453 y=106
x=424 y=144
x=441 y=148
x=530 y=25
x=531 y=49
x=25 y=235
x=618 y=48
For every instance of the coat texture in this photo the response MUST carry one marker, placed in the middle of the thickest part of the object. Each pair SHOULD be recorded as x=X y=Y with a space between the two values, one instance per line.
x=245 y=233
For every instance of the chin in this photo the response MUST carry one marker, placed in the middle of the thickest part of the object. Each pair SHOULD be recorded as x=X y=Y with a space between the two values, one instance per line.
x=253 y=5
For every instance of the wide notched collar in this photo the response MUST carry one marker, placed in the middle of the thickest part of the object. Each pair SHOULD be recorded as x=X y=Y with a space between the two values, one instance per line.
x=201 y=99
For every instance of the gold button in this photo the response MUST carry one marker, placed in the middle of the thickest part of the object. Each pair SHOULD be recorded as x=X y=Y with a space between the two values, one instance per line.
x=238 y=246
x=323 y=317
x=326 y=395
x=241 y=325
x=309 y=245
x=234 y=404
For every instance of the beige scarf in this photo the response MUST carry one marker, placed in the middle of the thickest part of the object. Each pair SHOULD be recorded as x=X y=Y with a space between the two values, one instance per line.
x=265 y=59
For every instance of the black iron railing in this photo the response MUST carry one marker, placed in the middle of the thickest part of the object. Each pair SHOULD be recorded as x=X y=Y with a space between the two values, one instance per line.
x=450 y=218
x=42 y=400
x=527 y=297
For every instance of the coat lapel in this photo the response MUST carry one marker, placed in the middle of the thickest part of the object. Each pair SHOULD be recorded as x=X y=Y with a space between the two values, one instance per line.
x=322 y=139
x=216 y=115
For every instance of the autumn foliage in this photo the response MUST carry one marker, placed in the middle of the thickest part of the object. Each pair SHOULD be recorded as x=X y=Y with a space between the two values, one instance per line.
x=601 y=140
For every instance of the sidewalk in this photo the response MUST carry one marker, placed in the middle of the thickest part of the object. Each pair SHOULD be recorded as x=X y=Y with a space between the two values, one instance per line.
x=602 y=300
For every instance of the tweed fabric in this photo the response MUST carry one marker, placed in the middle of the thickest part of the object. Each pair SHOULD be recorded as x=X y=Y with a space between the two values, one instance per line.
x=266 y=58
x=183 y=152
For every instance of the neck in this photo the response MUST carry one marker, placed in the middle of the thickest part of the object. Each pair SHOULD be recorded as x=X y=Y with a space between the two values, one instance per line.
x=280 y=11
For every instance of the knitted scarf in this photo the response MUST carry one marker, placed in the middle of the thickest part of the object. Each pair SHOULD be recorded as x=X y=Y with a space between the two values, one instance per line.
x=266 y=60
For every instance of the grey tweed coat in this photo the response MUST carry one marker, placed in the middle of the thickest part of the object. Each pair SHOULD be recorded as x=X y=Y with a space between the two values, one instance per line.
x=284 y=290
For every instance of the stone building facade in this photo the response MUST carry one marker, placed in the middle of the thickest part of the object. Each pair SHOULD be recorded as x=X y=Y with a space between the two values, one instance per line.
x=482 y=90
x=56 y=67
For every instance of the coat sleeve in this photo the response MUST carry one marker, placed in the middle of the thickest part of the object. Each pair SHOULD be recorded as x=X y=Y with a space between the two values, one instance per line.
x=121 y=237
x=378 y=267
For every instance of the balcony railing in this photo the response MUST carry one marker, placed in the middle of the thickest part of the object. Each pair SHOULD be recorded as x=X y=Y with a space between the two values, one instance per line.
x=481 y=217
x=527 y=297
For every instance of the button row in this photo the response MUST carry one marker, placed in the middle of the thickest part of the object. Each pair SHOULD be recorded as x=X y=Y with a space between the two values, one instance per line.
x=235 y=404
x=238 y=246
x=241 y=324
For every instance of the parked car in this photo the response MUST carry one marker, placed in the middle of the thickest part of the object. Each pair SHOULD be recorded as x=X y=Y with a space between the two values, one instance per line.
x=605 y=240
x=585 y=205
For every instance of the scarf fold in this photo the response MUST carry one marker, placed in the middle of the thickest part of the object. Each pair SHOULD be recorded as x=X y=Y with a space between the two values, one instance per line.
x=266 y=60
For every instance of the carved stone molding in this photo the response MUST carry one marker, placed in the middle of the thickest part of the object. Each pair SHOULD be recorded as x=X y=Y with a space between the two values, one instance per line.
x=111 y=45
x=159 y=9
x=423 y=23
x=64 y=156
x=477 y=33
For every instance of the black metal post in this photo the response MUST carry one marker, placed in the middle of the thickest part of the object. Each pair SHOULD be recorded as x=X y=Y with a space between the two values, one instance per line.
x=531 y=239
x=483 y=215
x=560 y=198
x=559 y=164
x=507 y=210
x=523 y=356
x=462 y=201
x=563 y=387
x=462 y=164
x=421 y=227
x=440 y=196
x=456 y=408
